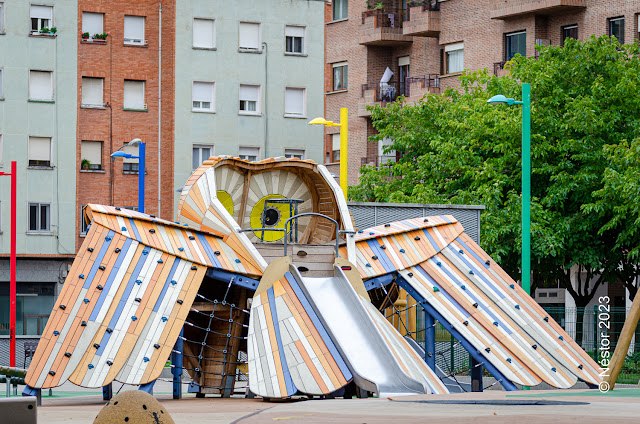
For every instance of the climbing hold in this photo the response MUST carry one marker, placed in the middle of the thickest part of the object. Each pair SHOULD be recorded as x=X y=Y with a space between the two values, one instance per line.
x=152 y=216
x=85 y=301
x=512 y=286
x=553 y=369
x=401 y=250
x=425 y=220
x=160 y=261
x=138 y=282
x=368 y=265
x=117 y=250
x=137 y=299
x=561 y=338
x=179 y=301
x=81 y=276
x=56 y=333
x=67 y=354
x=471 y=272
x=517 y=306
x=99 y=287
x=133 y=318
x=52 y=373
x=439 y=263
x=109 y=330
x=387 y=225
x=416 y=238
x=90 y=249
x=117 y=208
x=217 y=253
x=96 y=345
x=165 y=319
x=360 y=232
x=157 y=346
x=534 y=347
x=435 y=289
x=487 y=350
x=181 y=249
x=102 y=267
x=487 y=262
x=237 y=261
x=466 y=323
x=83 y=324
x=410 y=274
x=370 y=234
x=63 y=307
x=546 y=319
x=460 y=251
x=145 y=359
x=580 y=367
x=192 y=238
x=193 y=268
x=495 y=323
x=90 y=366
x=145 y=252
x=463 y=287
x=383 y=247
x=107 y=238
x=509 y=360
x=374 y=257
x=109 y=363
x=475 y=305
x=152 y=231
x=174 y=282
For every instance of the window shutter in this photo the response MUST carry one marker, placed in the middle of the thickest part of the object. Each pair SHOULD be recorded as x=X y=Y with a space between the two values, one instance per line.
x=92 y=23
x=249 y=92
x=132 y=150
x=294 y=31
x=40 y=87
x=404 y=61
x=203 y=92
x=249 y=151
x=92 y=91
x=92 y=151
x=42 y=12
x=249 y=36
x=134 y=94
x=335 y=141
x=294 y=101
x=203 y=33
x=39 y=148
x=452 y=47
x=134 y=27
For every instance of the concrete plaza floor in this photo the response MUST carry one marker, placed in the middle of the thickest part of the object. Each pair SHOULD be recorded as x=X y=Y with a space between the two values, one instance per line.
x=619 y=406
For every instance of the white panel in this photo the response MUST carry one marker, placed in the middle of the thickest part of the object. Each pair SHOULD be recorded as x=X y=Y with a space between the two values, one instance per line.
x=134 y=94
x=294 y=31
x=92 y=91
x=134 y=27
x=204 y=33
x=40 y=87
x=452 y=47
x=403 y=61
x=42 y=12
x=92 y=23
x=132 y=150
x=39 y=148
x=250 y=92
x=249 y=151
x=92 y=151
x=335 y=141
x=249 y=36
x=203 y=91
x=294 y=101
x=340 y=64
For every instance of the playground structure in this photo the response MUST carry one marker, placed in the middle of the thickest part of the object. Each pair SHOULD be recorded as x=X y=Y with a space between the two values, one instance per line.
x=264 y=259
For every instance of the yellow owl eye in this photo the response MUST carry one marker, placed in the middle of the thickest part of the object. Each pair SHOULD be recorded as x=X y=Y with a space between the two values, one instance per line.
x=226 y=200
x=274 y=216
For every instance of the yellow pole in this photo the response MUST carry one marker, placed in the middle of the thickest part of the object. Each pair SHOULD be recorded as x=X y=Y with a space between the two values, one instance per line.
x=624 y=340
x=344 y=119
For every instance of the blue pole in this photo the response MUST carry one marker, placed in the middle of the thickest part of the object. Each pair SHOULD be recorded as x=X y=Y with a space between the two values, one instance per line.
x=176 y=370
x=429 y=340
x=141 y=172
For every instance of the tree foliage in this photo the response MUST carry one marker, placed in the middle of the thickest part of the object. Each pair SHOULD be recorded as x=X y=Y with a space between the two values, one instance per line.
x=457 y=149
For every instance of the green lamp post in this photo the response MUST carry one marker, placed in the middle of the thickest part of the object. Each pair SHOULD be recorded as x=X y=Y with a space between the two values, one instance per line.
x=526 y=178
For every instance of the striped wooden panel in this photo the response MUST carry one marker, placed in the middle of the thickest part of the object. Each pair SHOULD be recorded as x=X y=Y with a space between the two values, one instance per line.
x=118 y=315
x=195 y=246
x=288 y=348
x=479 y=299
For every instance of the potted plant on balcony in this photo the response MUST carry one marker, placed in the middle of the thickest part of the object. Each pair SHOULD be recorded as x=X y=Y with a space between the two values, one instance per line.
x=85 y=164
x=85 y=36
x=100 y=38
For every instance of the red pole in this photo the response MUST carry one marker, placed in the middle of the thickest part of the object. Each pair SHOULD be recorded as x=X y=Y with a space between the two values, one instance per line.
x=12 y=265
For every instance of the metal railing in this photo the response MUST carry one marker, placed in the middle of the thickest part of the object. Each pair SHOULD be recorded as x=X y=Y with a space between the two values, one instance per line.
x=427 y=5
x=383 y=18
x=386 y=91
x=424 y=81
x=378 y=160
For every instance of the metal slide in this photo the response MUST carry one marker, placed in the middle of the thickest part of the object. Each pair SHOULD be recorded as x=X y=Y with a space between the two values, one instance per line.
x=381 y=362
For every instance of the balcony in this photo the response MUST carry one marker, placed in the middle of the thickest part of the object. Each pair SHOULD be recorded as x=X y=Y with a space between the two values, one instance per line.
x=423 y=19
x=506 y=9
x=417 y=87
x=380 y=28
x=380 y=93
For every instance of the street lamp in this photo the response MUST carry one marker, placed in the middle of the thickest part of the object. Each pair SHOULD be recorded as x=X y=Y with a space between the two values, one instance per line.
x=141 y=167
x=526 y=178
x=343 y=124
x=12 y=267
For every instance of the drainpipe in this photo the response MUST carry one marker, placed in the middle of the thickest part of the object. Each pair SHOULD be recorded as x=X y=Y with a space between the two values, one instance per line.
x=159 y=109
x=264 y=107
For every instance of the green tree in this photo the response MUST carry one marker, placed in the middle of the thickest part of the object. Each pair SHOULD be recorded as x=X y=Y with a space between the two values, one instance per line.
x=459 y=149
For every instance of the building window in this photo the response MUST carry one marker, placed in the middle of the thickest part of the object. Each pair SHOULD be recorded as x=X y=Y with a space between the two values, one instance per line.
x=84 y=226
x=203 y=96
x=454 y=58
x=92 y=23
x=340 y=71
x=39 y=217
x=249 y=36
x=134 y=95
x=91 y=151
x=41 y=85
x=294 y=39
x=40 y=151
x=340 y=9
x=294 y=153
x=616 y=29
x=200 y=154
x=41 y=17
x=570 y=31
x=249 y=153
x=134 y=30
x=250 y=99
x=335 y=147
x=295 y=102
x=515 y=43
x=92 y=92
x=130 y=165
x=204 y=33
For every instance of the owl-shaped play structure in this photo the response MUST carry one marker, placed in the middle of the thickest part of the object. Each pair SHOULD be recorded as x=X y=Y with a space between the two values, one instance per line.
x=264 y=261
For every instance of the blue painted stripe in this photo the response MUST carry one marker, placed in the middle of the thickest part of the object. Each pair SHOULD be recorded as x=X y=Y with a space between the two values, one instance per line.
x=209 y=251
x=478 y=258
x=431 y=240
x=291 y=388
x=135 y=230
x=156 y=307
x=94 y=269
x=410 y=225
x=476 y=272
x=123 y=301
x=447 y=220
x=321 y=330
x=382 y=256
x=112 y=276
x=451 y=300
x=480 y=302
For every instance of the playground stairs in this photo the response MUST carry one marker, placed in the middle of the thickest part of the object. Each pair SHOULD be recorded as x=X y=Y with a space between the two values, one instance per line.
x=312 y=260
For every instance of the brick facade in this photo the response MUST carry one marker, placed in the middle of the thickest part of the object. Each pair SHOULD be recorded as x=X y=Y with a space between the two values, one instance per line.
x=115 y=61
x=372 y=40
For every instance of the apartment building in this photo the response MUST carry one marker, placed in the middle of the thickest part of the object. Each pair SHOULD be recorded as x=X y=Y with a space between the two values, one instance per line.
x=427 y=44
x=38 y=62
x=125 y=82
x=249 y=77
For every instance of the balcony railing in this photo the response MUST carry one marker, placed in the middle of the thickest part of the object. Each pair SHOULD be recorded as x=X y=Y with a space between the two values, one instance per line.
x=431 y=82
x=379 y=160
x=427 y=5
x=383 y=18
x=386 y=91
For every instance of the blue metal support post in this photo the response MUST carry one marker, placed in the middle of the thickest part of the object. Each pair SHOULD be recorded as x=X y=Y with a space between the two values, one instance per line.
x=429 y=340
x=107 y=392
x=176 y=370
x=141 y=174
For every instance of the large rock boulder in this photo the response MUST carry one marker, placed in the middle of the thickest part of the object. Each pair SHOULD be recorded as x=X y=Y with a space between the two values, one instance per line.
x=134 y=407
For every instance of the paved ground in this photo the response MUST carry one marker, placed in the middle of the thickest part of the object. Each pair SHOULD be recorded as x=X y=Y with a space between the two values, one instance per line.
x=620 y=406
